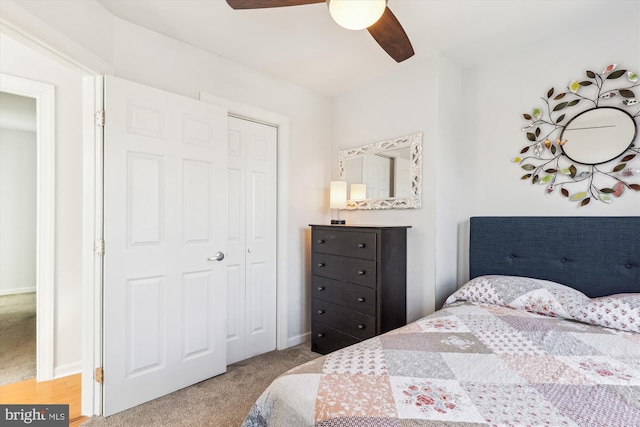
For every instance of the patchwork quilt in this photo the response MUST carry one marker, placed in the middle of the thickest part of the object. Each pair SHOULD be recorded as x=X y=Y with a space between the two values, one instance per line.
x=504 y=351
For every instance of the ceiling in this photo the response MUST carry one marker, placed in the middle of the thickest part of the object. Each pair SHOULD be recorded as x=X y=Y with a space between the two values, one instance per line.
x=303 y=45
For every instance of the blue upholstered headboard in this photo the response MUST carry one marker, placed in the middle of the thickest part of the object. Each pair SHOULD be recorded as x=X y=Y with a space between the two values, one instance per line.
x=596 y=255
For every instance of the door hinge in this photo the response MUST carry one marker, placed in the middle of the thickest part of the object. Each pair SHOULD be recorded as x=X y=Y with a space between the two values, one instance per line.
x=100 y=118
x=99 y=247
x=100 y=375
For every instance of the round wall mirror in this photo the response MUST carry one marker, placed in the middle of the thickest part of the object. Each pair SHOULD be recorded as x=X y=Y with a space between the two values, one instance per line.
x=583 y=142
x=598 y=135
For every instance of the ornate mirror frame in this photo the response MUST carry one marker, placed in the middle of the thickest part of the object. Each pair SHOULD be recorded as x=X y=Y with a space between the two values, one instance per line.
x=414 y=143
x=552 y=157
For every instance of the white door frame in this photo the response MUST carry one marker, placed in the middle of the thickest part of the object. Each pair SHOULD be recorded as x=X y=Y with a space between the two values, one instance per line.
x=281 y=122
x=44 y=94
x=92 y=233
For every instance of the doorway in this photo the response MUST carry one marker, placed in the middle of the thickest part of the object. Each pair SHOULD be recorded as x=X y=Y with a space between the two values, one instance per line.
x=26 y=253
x=18 y=138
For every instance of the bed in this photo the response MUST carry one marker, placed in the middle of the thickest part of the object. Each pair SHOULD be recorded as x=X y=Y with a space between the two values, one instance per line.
x=546 y=332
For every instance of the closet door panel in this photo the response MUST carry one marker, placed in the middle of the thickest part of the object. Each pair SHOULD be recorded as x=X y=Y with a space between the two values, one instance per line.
x=252 y=237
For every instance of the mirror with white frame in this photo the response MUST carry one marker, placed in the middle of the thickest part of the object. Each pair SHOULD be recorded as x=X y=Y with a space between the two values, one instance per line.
x=385 y=174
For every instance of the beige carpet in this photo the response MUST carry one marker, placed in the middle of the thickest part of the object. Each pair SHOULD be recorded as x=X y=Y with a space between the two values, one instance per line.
x=223 y=401
x=17 y=338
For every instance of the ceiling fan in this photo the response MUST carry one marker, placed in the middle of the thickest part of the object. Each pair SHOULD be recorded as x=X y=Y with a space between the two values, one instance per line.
x=383 y=25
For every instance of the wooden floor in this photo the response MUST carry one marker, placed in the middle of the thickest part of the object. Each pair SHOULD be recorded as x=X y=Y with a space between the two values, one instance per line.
x=66 y=390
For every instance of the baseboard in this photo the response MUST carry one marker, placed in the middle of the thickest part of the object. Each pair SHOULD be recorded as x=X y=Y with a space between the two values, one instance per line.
x=68 y=369
x=298 y=339
x=15 y=291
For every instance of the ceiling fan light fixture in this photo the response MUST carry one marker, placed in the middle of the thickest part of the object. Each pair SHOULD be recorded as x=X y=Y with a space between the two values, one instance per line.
x=356 y=14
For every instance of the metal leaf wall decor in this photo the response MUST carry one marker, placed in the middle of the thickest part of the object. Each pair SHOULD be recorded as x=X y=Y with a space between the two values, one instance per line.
x=544 y=159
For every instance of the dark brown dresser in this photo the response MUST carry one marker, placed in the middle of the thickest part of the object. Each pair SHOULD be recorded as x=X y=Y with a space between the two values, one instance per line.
x=358 y=283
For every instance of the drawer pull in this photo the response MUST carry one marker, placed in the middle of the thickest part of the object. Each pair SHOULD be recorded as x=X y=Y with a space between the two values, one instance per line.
x=320 y=264
x=320 y=311
x=320 y=335
x=361 y=245
x=360 y=299
x=360 y=326
x=320 y=241
x=361 y=272
x=320 y=288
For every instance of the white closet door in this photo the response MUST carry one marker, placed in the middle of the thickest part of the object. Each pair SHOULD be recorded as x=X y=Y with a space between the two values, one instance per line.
x=251 y=267
x=165 y=219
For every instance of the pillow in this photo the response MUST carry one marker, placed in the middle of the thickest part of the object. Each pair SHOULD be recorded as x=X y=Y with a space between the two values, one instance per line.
x=522 y=293
x=620 y=311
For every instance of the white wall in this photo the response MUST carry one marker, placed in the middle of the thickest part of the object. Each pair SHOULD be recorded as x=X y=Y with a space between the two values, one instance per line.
x=398 y=104
x=472 y=120
x=453 y=181
x=19 y=60
x=81 y=30
x=17 y=211
x=502 y=89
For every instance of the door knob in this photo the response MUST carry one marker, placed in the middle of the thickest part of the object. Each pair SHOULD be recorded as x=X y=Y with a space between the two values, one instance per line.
x=219 y=256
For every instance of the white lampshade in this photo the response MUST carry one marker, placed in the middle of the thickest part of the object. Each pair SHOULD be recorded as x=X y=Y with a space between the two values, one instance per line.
x=356 y=14
x=338 y=195
x=358 y=192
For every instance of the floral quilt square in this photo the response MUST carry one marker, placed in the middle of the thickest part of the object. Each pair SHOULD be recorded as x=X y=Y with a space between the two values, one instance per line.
x=366 y=358
x=546 y=368
x=508 y=342
x=354 y=396
x=603 y=369
x=438 y=400
x=442 y=324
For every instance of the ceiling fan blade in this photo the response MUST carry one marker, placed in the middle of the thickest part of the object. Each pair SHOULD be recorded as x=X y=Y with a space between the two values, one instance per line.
x=261 y=4
x=391 y=36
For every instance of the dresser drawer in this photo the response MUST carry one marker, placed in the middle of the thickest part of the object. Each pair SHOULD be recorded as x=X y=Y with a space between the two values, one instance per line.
x=353 y=270
x=350 y=322
x=355 y=297
x=345 y=243
x=325 y=339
